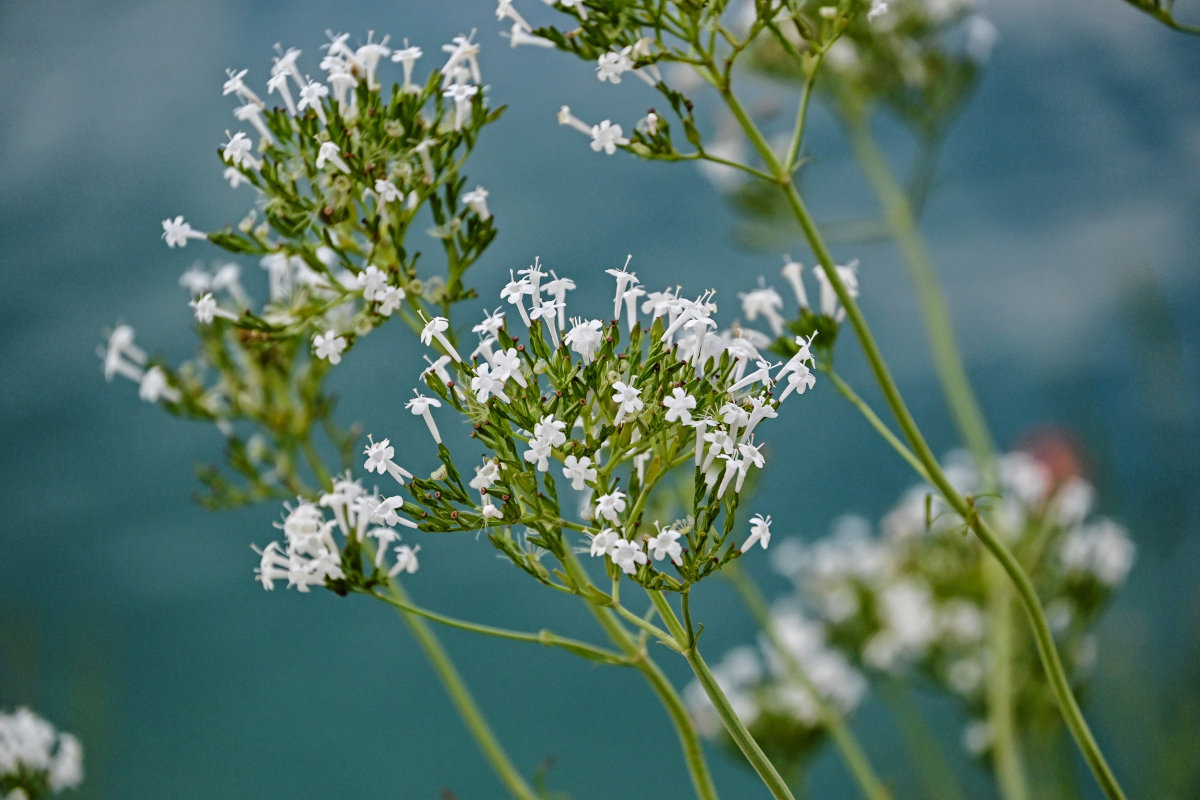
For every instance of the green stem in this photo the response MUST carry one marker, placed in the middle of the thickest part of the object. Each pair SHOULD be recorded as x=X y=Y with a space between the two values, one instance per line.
x=1006 y=753
x=733 y=725
x=543 y=637
x=844 y=739
x=1047 y=652
x=689 y=742
x=793 y=153
x=472 y=717
x=947 y=360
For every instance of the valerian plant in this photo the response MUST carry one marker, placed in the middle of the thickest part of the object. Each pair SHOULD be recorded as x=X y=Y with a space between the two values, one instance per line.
x=619 y=449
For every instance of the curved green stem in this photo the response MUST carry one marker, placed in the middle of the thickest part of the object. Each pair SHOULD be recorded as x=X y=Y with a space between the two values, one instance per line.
x=542 y=637
x=1047 y=652
x=733 y=725
x=636 y=653
x=844 y=739
x=472 y=717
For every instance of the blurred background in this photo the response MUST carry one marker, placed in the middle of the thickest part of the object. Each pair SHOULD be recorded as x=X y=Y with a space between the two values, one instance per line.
x=1065 y=223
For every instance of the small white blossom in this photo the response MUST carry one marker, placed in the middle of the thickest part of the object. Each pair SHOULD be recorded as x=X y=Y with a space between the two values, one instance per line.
x=612 y=65
x=666 y=545
x=435 y=330
x=154 y=386
x=628 y=555
x=485 y=476
x=330 y=154
x=604 y=542
x=379 y=459
x=608 y=506
x=207 y=310
x=760 y=532
x=461 y=94
x=330 y=346
x=477 y=200
x=584 y=338
x=626 y=396
x=579 y=471
x=607 y=137
x=310 y=97
x=679 y=406
x=419 y=406
x=176 y=232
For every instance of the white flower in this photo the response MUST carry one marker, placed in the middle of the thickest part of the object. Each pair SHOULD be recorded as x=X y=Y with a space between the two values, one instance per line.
x=1101 y=549
x=477 y=200
x=379 y=459
x=792 y=273
x=154 y=386
x=519 y=35
x=666 y=545
x=461 y=49
x=878 y=7
x=584 y=338
x=330 y=346
x=626 y=395
x=387 y=191
x=607 y=137
x=766 y=302
x=176 y=232
x=604 y=542
x=373 y=281
x=406 y=560
x=578 y=5
x=679 y=406
x=550 y=430
x=419 y=406
x=608 y=506
x=329 y=154
x=565 y=117
x=435 y=330
x=206 y=309
x=486 y=383
x=848 y=275
x=31 y=748
x=238 y=150
x=390 y=300
x=760 y=532
x=310 y=97
x=485 y=476
x=507 y=364
x=407 y=56
x=612 y=65
x=491 y=325
x=579 y=471
x=235 y=85
x=539 y=454
x=627 y=555
x=514 y=291
x=461 y=94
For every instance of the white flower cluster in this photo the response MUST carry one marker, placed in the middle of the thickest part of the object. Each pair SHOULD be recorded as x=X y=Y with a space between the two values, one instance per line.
x=619 y=404
x=33 y=752
x=337 y=280
x=310 y=555
x=789 y=690
x=913 y=596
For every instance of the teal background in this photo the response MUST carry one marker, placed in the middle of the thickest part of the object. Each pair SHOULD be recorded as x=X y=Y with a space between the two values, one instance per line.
x=1065 y=225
